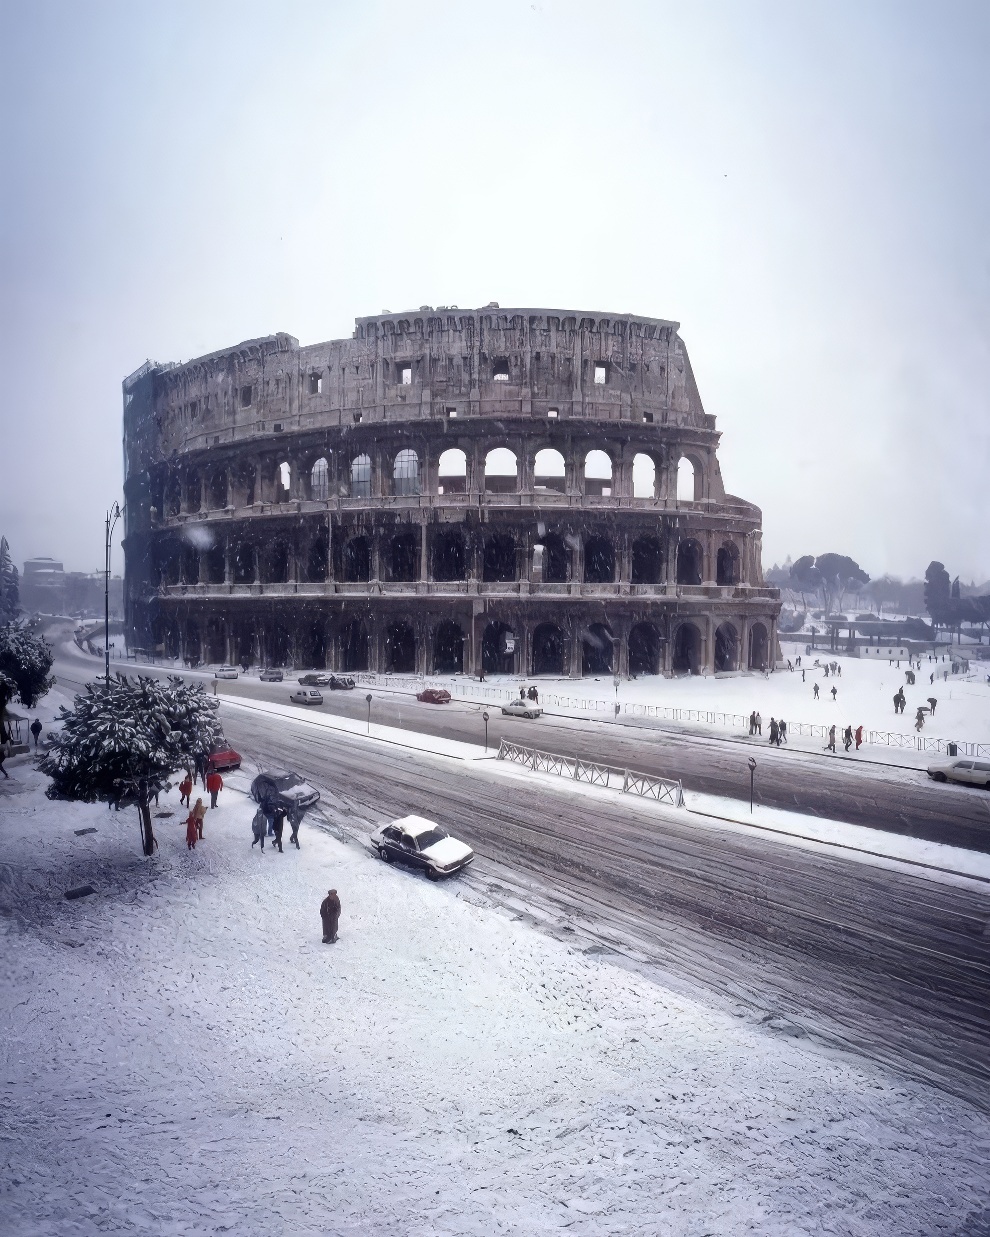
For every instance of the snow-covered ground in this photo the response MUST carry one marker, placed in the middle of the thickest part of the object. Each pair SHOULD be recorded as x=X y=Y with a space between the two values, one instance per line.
x=181 y=1055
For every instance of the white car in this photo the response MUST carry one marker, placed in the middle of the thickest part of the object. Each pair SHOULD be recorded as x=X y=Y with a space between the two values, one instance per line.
x=306 y=695
x=225 y=672
x=421 y=843
x=521 y=708
x=968 y=772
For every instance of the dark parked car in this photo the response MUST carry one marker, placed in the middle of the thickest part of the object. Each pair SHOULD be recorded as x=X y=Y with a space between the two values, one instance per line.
x=421 y=843
x=434 y=695
x=271 y=676
x=282 y=788
x=314 y=680
x=224 y=758
x=341 y=683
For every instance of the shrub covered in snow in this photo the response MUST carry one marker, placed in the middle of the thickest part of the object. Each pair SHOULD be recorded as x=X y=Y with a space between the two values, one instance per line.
x=124 y=739
x=25 y=662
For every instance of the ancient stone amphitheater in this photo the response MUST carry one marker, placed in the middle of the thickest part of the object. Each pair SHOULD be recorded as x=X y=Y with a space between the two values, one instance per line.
x=515 y=490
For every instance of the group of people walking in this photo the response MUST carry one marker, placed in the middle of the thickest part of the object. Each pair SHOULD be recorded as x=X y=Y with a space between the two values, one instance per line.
x=269 y=821
x=212 y=784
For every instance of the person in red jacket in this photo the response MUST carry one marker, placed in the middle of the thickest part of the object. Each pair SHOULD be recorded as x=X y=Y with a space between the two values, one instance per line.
x=859 y=737
x=185 y=790
x=192 y=830
x=214 y=784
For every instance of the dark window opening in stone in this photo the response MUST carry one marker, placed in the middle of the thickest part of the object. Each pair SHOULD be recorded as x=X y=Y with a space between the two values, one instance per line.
x=242 y=562
x=648 y=418
x=647 y=560
x=215 y=566
x=243 y=644
x=315 y=384
x=555 y=559
x=548 y=649
x=173 y=497
x=448 y=556
x=689 y=563
x=190 y=565
x=644 y=649
x=361 y=477
x=759 y=646
x=599 y=561
x=499 y=558
x=193 y=410
x=316 y=560
x=356 y=561
x=405 y=473
x=169 y=564
x=277 y=645
x=216 y=642
x=601 y=374
x=356 y=415
x=451 y=412
x=596 y=652
x=448 y=649
x=245 y=397
x=500 y=369
x=218 y=491
x=404 y=557
x=194 y=492
x=277 y=427
x=400 y=649
x=277 y=563
x=498 y=655
x=313 y=646
x=194 y=648
x=354 y=646
x=687 y=650
x=726 y=648
x=727 y=565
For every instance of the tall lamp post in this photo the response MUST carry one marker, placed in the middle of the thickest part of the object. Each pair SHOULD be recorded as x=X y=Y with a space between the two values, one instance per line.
x=113 y=515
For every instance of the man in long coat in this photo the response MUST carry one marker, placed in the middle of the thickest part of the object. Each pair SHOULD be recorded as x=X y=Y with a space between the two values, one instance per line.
x=330 y=914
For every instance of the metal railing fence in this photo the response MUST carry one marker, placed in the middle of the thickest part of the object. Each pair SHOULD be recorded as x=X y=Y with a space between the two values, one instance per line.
x=627 y=781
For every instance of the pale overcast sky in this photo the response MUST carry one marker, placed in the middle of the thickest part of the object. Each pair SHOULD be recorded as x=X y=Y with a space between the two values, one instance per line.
x=804 y=187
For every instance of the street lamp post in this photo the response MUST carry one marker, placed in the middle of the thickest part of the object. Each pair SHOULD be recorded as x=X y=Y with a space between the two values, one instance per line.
x=113 y=515
x=485 y=716
x=752 y=773
x=368 y=698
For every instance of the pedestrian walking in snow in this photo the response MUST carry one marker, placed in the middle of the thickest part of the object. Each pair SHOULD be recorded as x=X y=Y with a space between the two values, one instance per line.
x=522 y=693
x=201 y=768
x=759 y=725
x=798 y=662
x=214 y=784
x=830 y=746
x=847 y=738
x=838 y=669
x=259 y=826
x=827 y=671
x=192 y=831
x=200 y=813
x=815 y=689
x=36 y=730
x=185 y=790
x=859 y=737
x=278 y=824
x=835 y=692
x=481 y=674
x=802 y=675
x=789 y=666
x=933 y=702
x=752 y=722
x=295 y=820
x=330 y=915
x=534 y=694
x=781 y=732
x=773 y=730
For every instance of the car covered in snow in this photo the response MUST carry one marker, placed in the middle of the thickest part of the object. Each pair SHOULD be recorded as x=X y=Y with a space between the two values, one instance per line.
x=314 y=679
x=283 y=788
x=306 y=695
x=521 y=708
x=224 y=758
x=271 y=676
x=225 y=672
x=341 y=683
x=967 y=772
x=434 y=695
x=422 y=844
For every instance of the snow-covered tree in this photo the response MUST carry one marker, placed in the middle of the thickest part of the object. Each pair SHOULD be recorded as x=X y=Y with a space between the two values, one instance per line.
x=122 y=741
x=10 y=593
x=25 y=662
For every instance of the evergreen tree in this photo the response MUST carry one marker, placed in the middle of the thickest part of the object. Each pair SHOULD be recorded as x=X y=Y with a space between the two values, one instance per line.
x=123 y=740
x=938 y=590
x=25 y=662
x=10 y=592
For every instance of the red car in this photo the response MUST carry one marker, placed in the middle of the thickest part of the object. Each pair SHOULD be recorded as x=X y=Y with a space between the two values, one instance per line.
x=434 y=695
x=226 y=758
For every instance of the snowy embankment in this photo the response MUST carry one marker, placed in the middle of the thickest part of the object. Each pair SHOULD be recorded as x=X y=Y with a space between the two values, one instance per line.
x=180 y=1053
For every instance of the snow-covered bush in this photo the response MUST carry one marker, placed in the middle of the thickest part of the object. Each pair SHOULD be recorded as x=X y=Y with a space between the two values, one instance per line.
x=122 y=742
x=25 y=662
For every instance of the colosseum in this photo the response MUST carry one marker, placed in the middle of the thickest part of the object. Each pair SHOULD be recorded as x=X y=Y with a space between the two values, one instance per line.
x=529 y=491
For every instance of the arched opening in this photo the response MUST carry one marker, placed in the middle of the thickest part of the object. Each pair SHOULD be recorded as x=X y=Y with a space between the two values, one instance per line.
x=501 y=471
x=644 y=476
x=313 y=645
x=243 y=643
x=283 y=480
x=173 y=496
x=599 y=561
x=242 y=482
x=549 y=471
x=498 y=649
x=597 y=473
x=452 y=472
x=317 y=559
x=217 y=490
x=688 y=479
x=726 y=648
x=277 y=563
x=647 y=560
x=556 y=559
x=549 y=647
x=405 y=472
x=243 y=563
x=687 y=650
x=400 y=648
x=354 y=646
x=167 y=562
x=448 y=649
x=214 y=565
x=596 y=650
x=194 y=491
x=404 y=556
x=448 y=555
x=644 y=649
x=277 y=645
x=319 y=480
x=727 y=565
x=194 y=645
x=356 y=561
x=499 y=558
x=759 y=647
x=361 y=476
x=216 y=642
x=689 y=562
x=190 y=565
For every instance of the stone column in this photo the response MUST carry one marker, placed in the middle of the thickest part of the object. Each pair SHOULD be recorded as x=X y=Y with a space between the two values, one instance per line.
x=625 y=564
x=424 y=553
x=577 y=649
x=424 y=657
x=577 y=563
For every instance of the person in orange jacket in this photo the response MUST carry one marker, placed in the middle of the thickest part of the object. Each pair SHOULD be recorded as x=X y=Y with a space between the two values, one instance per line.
x=192 y=830
x=185 y=790
x=214 y=784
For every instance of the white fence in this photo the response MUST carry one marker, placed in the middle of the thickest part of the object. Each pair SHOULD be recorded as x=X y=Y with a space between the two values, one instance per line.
x=625 y=780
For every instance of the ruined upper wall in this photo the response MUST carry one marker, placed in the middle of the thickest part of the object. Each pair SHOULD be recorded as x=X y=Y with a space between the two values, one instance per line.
x=443 y=362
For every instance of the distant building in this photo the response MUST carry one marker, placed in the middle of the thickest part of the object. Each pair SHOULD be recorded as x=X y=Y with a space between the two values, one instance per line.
x=47 y=588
